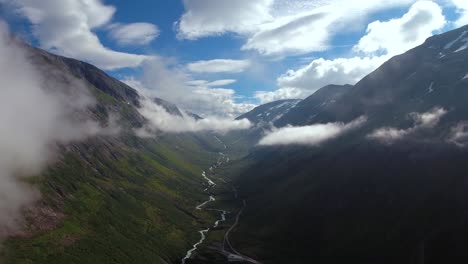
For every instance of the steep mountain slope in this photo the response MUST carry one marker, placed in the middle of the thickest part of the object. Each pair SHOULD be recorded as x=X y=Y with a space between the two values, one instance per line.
x=358 y=200
x=114 y=198
x=282 y=113
x=270 y=112
x=307 y=109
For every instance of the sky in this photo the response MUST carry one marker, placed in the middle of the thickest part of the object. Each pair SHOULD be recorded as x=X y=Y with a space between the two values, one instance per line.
x=223 y=57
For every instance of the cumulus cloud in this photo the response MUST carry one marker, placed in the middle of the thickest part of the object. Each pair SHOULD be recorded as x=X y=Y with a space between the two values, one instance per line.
x=383 y=39
x=66 y=27
x=36 y=113
x=397 y=35
x=218 y=66
x=321 y=72
x=169 y=81
x=159 y=120
x=309 y=135
x=421 y=121
x=134 y=33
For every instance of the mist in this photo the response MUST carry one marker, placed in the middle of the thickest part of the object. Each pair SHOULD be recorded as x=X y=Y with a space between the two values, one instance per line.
x=425 y=120
x=37 y=112
x=160 y=120
x=309 y=135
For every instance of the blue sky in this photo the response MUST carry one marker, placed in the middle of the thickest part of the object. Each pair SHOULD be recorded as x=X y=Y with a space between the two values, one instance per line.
x=191 y=51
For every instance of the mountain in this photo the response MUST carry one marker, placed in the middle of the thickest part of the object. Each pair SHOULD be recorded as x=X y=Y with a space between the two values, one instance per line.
x=359 y=200
x=304 y=112
x=114 y=198
x=269 y=112
x=282 y=113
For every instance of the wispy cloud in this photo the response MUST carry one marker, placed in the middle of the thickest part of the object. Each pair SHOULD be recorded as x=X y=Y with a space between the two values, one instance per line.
x=421 y=121
x=134 y=33
x=36 y=113
x=219 y=66
x=170 y=81
x=309 y=135
x=459 y=134
x=160 y=120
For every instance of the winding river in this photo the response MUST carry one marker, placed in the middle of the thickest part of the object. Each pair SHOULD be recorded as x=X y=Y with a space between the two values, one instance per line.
x=232 y=254
x=211 y=198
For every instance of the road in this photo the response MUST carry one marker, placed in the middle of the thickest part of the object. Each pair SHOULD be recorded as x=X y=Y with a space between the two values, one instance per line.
x=234 y=255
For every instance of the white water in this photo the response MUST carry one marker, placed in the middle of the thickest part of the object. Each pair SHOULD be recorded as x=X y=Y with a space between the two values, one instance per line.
x=223 y=218
x=200 y=206
x=195 y=246
x=211 y=198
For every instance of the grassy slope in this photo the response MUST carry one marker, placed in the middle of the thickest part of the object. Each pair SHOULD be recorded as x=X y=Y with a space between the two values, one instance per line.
x=124 y=199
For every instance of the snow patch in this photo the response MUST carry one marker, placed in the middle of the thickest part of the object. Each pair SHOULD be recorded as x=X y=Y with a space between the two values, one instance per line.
x=431 y=88
x=450 y=44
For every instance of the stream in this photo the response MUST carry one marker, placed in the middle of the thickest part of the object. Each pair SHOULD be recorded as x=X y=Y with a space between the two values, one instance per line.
x=201 y=206
x=232 y=255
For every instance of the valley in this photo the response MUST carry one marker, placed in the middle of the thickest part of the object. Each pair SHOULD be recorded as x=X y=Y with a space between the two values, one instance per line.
x=165 y=155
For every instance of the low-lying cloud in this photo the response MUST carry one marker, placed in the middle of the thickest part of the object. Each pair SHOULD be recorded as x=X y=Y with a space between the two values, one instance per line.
x=421 y=121
x=36 y=113
x=160 y=120
x=459 y=134
x=309 y=135
x=167 y=79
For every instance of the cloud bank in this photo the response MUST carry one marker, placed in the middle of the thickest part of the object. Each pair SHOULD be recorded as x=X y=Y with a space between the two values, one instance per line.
x=170 y=81
x=36 y=113
x=309 y=135
x=160 y=120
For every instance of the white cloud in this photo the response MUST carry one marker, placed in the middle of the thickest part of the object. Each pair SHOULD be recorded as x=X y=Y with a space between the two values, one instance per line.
x=462 y=9
x=421 y=121
x=309 y=135
x=39 y=107
x=66 y=27
x=292 y=34
x=215 y=17
x=169 y=81
x=218 y=66
x=278 y=27
x=459 y=134
x=218 y=83
x=382 y=41
x=400 y=34
x=321 y=72
x=162 y=121
x=282 y=93
x=134 y=33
